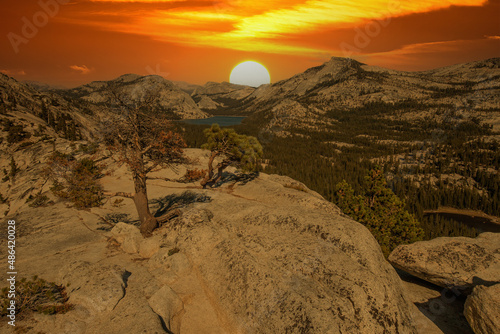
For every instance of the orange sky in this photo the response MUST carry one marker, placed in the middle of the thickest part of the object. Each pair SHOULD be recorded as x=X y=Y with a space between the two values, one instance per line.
x=71 y=42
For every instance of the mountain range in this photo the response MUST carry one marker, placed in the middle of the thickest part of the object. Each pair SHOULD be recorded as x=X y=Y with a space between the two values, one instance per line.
x=461 y=91
x=261 y=253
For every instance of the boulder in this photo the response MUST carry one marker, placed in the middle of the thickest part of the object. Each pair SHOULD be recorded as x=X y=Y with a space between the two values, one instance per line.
x=457 y=262
x=132 y=314
x=128 y=236
x=96 y=287
x=482 y=309
x=167 y=304
x=263 y=255
x=149 y=246
x=272 y=258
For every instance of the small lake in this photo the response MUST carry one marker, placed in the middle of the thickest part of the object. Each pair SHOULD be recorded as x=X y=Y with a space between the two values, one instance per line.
x=482 y=224
x=221 y=120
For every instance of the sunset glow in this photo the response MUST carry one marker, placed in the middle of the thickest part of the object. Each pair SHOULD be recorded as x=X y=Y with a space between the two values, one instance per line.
x=197 y=41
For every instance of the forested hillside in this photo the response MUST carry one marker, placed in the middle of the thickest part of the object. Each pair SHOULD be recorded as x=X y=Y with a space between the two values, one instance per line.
x=427 y=163
x=434 y=134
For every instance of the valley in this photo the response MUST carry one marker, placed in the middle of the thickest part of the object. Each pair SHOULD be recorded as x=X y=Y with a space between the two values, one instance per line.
x=435 y=134
x=430 y=139
x=221 y=120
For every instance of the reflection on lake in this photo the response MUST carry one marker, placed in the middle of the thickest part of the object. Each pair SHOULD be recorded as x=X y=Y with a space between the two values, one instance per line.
x=221 y=120
x=481 y=224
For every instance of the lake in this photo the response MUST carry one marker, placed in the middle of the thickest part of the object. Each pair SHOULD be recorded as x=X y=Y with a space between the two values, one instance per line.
x=221 y=120
x=482 y=224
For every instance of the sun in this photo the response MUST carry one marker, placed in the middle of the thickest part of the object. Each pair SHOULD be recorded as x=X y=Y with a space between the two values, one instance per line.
x=250 y=73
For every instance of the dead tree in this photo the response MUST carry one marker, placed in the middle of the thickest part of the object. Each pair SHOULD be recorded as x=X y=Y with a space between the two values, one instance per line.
x=139 y=131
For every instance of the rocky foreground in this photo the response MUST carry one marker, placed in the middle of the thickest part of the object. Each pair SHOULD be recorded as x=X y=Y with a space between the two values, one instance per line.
x=461 y=263
x=467 y=269
x=259 y=254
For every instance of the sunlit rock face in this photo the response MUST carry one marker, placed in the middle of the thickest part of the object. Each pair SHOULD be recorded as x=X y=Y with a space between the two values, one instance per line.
x=456 y=262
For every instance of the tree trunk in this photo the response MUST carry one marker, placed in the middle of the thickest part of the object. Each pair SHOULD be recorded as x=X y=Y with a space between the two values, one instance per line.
x=148 y=221
x=220 y=169
x=210 y=173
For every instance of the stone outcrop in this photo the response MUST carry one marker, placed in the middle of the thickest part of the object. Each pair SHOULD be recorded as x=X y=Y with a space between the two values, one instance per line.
x=272 y=256
x=207 y=103
x=168 y=305
x=452 y=262
x=259 y=254
x=96 y=287
x=482 y=309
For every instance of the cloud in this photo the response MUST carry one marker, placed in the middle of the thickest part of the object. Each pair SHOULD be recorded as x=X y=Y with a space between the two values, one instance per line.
x=83 y=69
x=13 y=72
x=425 y=56
x=249 y=25
x=139 y=1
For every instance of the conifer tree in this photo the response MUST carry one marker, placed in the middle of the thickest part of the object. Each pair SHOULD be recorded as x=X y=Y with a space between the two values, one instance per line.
x=381 y=211
x=240 y=150
x=44 y=113
x=51 y=120
x=14 y=169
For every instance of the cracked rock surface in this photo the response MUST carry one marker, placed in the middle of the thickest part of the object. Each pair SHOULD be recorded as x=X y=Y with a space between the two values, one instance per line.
x=458 y=262
x=264 y=255
x=482 y=309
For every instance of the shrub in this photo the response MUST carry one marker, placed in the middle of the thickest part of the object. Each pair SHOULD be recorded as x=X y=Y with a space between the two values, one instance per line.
x=36 y=295
x=90 y=148
x=58 y=189
x=193 y=175
x=242 y=151
x=15 y=132
x=13 y=169
x=77 y=181
x=83 y=187
x=38 y=200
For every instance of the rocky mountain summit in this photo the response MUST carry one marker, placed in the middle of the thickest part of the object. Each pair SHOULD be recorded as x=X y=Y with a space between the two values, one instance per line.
x=87 y=102
x=259 y=254
x=224 y=89
x=222 y=97
x=461 y=91
x=466 y=90
x=170 y=98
